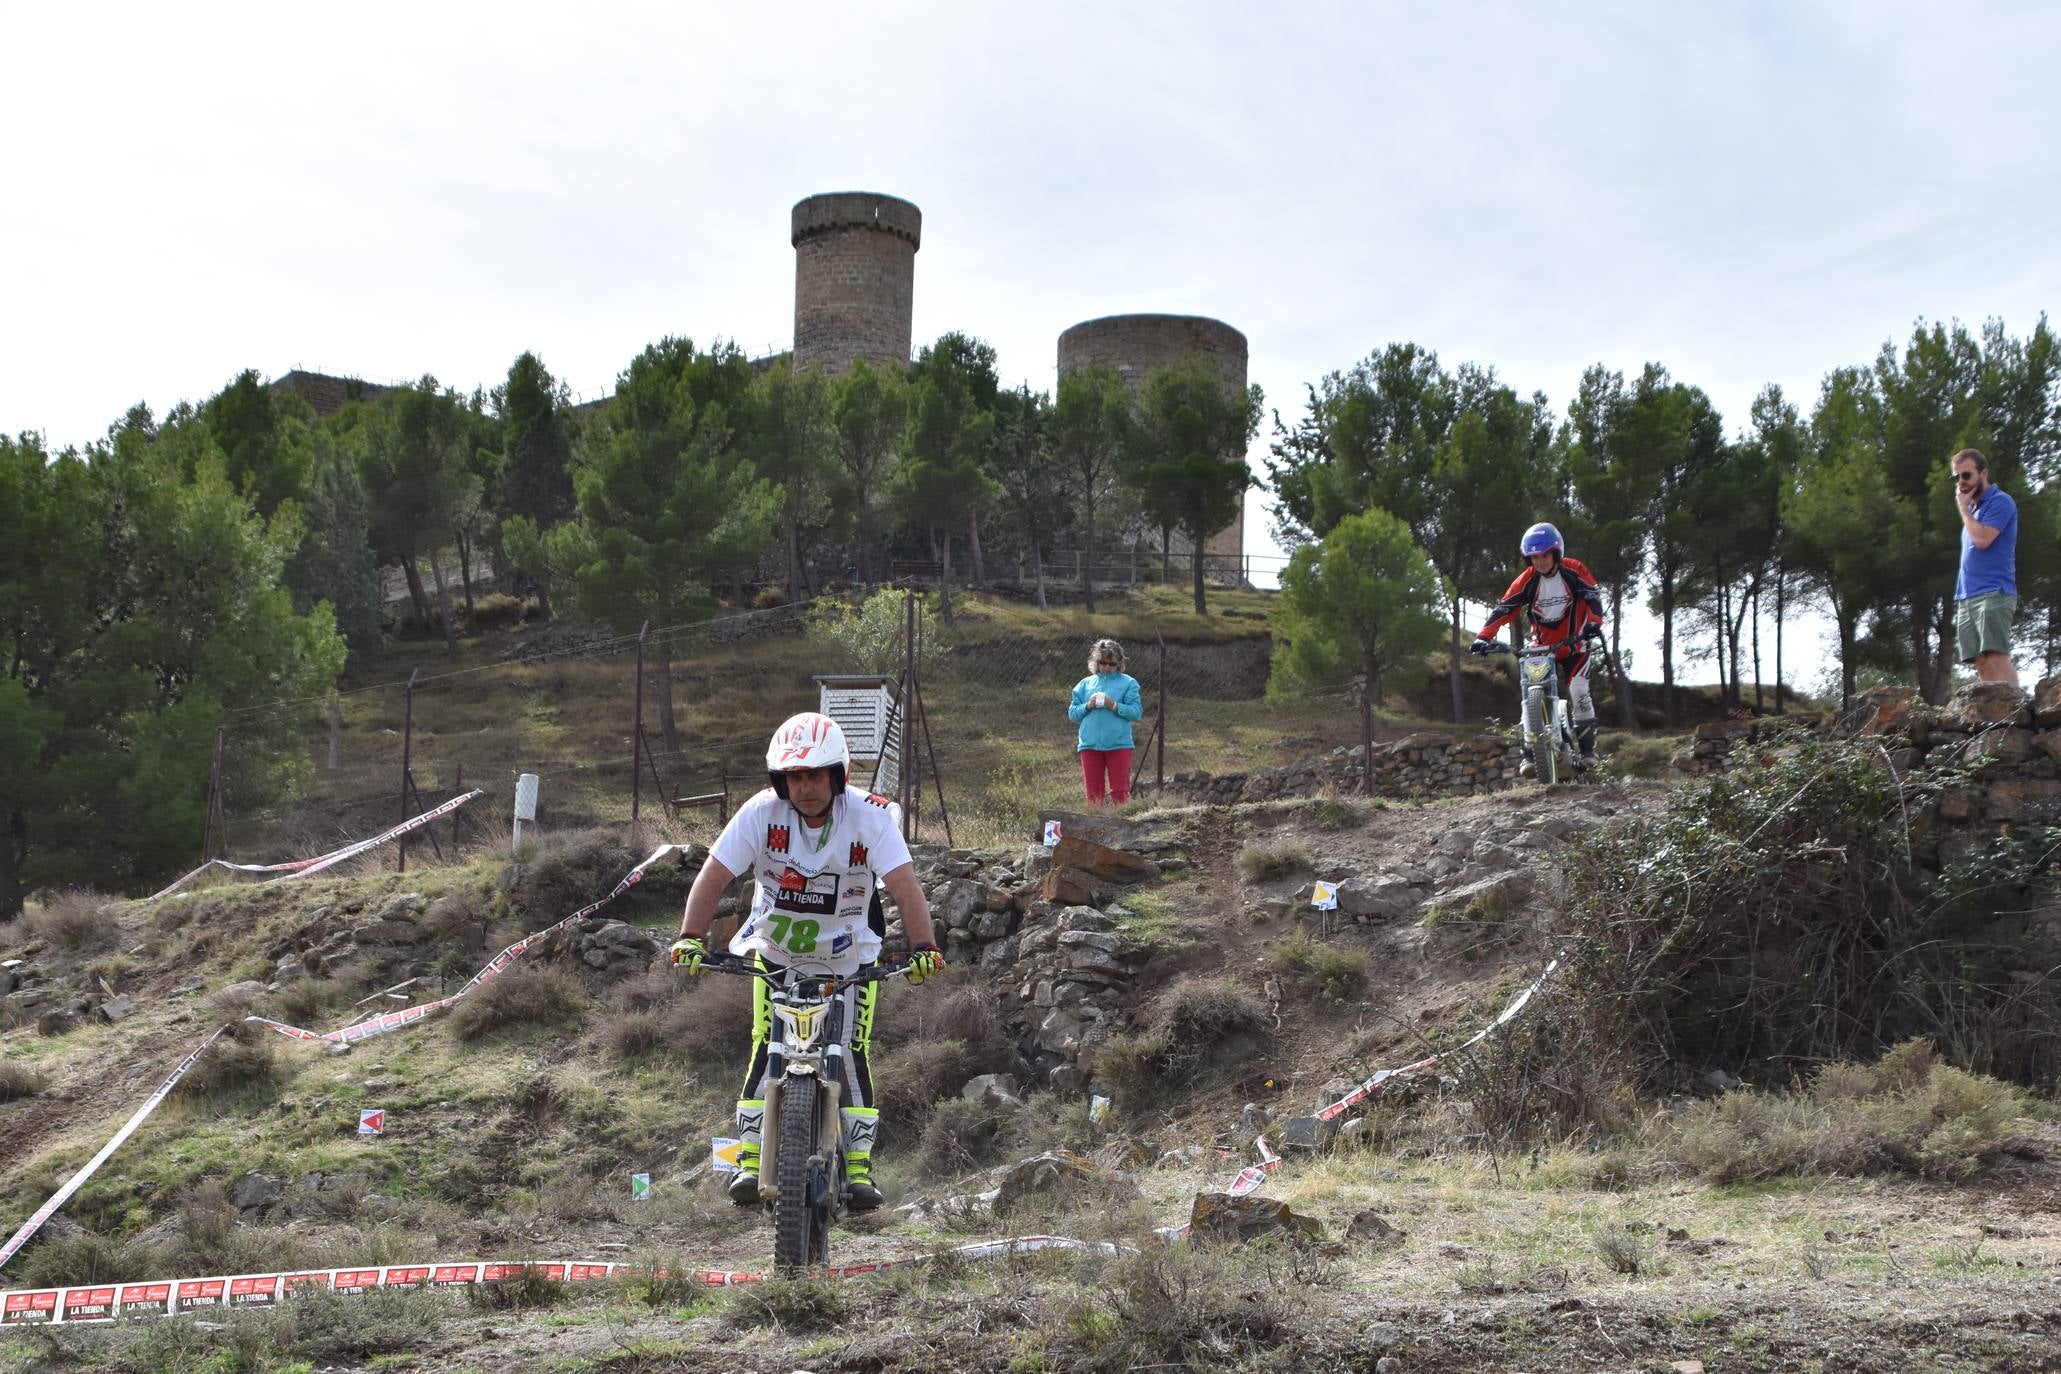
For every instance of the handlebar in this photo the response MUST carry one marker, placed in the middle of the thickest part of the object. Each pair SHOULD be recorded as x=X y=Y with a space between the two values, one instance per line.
x=1597 y=646
x=891 y=966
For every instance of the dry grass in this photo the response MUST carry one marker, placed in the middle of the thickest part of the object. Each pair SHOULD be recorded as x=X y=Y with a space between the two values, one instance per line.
x=1193 y=1025
x=18 y=1081
x=240 y=1061
x=1262 y=863
x=78 y=920
x=1335 y=971
x=1907 y=1113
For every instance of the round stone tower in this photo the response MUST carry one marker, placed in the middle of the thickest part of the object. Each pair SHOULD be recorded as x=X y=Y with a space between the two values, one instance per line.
x=1132 y=345
x=854 y=278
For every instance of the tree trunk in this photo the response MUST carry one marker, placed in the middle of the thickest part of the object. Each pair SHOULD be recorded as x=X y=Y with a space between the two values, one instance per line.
x=436 y=570
x=1625 y=715
x=980 y=566
x=668 y=727
x=14 y=849
x=417 y=597
x=793 y=560
x=1453 y=663
x=1670 y=710
x=1944 y=637
x=1166 y=561
x=1087 y=554
x=1781 y=607
x=1723 y=614
x=1201 y=606
x=944 y=581
x=1038 y=567
x=1921 y=656
x=1756 y=649
x=465 y=578
x=1750 y=594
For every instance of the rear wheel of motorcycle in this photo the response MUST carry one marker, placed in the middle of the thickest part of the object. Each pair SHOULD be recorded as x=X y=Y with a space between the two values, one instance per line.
x=801 y=1220
x=1538 y=730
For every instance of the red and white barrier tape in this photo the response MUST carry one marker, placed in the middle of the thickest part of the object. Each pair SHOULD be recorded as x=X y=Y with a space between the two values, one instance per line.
x=301 y=868
x=72 y=1184
x=362 y=1030
x=168 y=1297
x=407 y=1016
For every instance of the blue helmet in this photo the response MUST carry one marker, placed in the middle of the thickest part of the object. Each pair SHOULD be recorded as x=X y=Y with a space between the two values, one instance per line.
x=1542 y=538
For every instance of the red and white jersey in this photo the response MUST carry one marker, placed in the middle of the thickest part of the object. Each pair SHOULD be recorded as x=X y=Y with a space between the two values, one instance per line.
x=813 y=887
x=1561 y=603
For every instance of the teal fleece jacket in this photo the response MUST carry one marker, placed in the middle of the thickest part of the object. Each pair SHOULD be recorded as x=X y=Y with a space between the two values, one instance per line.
x=1104 y=728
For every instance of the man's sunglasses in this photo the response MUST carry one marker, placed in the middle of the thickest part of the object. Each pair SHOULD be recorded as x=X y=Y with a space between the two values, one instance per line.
x=1964 y=477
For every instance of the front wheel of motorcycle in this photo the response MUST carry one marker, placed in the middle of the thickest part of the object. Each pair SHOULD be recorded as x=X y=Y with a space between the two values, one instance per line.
x=1539 y=738
x=801 y=1211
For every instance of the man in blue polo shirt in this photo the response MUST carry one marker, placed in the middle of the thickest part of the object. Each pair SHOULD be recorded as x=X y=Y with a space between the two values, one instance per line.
x=1986 y=594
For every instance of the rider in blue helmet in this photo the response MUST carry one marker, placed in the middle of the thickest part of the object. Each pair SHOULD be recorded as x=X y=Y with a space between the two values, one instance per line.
x=1566 y=611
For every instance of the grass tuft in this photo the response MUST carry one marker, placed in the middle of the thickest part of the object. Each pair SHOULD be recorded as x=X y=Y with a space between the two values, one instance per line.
x=76 y=920
x=519 y=997
x=1262 y=863
x=1336 y=972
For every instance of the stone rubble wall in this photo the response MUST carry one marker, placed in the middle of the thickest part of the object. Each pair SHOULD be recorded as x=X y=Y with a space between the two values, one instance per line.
x=1426 y=764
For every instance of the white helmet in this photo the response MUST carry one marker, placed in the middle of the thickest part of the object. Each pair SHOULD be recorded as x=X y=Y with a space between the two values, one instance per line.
x=809 y=740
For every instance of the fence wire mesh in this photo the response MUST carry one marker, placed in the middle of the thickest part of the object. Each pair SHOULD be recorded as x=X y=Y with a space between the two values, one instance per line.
x=986 y=736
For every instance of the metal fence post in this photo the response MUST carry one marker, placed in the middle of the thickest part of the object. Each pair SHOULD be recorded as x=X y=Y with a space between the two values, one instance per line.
x=407 y=758
x=908 y=707
x=1159 y=727
x=212 y=839
x=637 y=730
x=1366 y=734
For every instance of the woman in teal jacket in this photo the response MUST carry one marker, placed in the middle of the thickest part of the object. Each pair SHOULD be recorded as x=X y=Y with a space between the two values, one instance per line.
x=1105 y=702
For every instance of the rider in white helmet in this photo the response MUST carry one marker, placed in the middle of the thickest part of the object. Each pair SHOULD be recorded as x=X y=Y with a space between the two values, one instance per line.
x=817 y=848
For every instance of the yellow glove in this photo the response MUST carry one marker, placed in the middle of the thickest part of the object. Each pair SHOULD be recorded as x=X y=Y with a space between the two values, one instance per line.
x=925 y=961
x=688 y=952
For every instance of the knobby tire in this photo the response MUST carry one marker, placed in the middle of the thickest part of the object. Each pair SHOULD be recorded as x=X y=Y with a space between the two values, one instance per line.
x=801 y=1227
x=1537 y=728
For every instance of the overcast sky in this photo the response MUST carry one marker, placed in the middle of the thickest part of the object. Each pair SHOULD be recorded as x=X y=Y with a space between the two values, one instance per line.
x=1748 y=193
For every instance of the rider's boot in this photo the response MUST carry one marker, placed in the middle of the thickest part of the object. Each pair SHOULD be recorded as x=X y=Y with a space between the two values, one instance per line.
x=1585 y=736
x=861 y=1125
x=1524 y=768
x=751 y=1121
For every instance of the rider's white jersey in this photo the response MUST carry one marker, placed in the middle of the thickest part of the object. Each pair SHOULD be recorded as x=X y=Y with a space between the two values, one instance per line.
x=812 y=888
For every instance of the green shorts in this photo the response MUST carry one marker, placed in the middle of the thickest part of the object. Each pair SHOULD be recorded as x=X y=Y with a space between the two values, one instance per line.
x=1982 y=624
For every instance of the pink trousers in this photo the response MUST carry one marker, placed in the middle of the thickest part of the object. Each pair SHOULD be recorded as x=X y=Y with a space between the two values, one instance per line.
x=1112 y=764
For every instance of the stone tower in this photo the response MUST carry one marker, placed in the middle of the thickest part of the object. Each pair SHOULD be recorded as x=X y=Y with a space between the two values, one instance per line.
x=1132 y=345
x=854 y=278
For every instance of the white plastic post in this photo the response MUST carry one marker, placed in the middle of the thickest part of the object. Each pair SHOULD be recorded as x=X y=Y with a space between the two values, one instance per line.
x=525 y=804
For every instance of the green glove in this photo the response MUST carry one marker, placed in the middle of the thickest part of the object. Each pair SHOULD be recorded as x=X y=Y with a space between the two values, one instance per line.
x=925 y=961
x=688 y=952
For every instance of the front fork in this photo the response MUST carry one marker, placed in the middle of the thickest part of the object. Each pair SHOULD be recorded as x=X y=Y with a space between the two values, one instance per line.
x=829 y=1117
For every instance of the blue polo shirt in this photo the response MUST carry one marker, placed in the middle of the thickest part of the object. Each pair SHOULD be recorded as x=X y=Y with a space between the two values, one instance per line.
x=1994 y=569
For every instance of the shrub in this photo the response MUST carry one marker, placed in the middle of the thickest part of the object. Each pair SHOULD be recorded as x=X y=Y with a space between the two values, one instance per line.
x=570 y=869
x=767 y=597
x=1773 y=916
x=1334 y=971
x=18 y=1081
x=1193 y=1307
x=959 y=1136
x=241 y=1060
x=86 y=1258
x=1196 y=1022
x=75 y=920
x=1908 y=1113
x=790 y=1304
x=519 y=1293
x=1642 y=756
x=710 y=1022
x=496 y=611
x=628 y=1034
x=1329 y=811
x=519 y=997
x=1261 y=863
